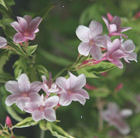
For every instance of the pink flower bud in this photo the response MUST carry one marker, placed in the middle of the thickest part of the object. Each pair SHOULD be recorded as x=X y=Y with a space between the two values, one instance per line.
x=119 y=86
x=89 y=87
x=137 y=15
x=8 y=121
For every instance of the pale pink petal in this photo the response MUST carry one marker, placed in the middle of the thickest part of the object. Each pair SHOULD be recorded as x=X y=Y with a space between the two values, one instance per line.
x=34 y=97
x=36 y=31
x=12 y=86
x=106 y=22
x=51 y=102
x=82 y=33
x=116 y=20
x=112 y=28
x=101 y=41
x=61 y=82
x=24 y=83
x=3 y=42
x=11 y=99
x=16 y=26
x=65 y=99
x=95 y=28
x=83 y=93
x=124 y=29
x=79 y=98
x=44 y=78
x=113 y=107
x=30 y=36
x=28 y=18
x=126 y=112
x=18 y=38
x=118 y=63
x=96 y=52
x=36 y=86
x=77 y=83
x=131 y=57
x=111 y=47
x=34 y=24
x=50 y=115
x=37 y=115
x=21 y=102
x=23 y=23
x=118 y=54
x=84 y=48
x=128 y=46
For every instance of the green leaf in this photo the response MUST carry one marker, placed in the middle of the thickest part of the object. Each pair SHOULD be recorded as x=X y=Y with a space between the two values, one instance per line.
x=57 y=131
x=31 y=49
x=2 y=2
x=42 y=70
x=27 y=122
x=100 y=67
x=86 y=73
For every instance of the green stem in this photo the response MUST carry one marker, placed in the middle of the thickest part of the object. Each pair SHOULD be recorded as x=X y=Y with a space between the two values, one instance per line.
x=42 y=134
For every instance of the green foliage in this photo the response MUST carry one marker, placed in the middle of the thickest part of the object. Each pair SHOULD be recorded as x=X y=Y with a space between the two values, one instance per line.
x=27 y=122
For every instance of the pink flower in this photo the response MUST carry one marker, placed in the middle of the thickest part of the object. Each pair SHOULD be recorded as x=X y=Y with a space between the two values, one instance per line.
x=48 y=86
x=43 y=108
x=3 y=42
x=26 y=28
x=128 y=48
x=137 y=15
x=91 y=39
x=115 y=117
x=114 y=52
x=8 y=121
x=114 y=25
x=71 y=89
x=119 y=87
x=22 y=91
x=119 y=49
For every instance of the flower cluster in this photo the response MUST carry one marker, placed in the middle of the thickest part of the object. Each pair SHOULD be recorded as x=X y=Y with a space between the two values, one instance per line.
x=115 y=117
x=60 y=93
x=94 y=42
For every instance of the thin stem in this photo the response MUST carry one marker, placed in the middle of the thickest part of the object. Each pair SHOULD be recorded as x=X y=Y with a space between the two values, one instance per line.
x=42 y=134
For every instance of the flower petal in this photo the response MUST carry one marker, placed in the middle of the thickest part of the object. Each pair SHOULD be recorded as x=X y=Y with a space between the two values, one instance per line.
x=50 y=115
x=95 y=28
x=35 y=86
x=118 y=63
x=131 y=57
x=3 y=42
x=79 y=98
x=24 y=83
x=65 y=99
x=106 y=22
x=37 y=115
x=23 y=23
x=124 y=29
x=111 y=47
x=116 y=20
x=126 y=112
x=82 y=33
x=96 y=52
x=11 y=99
x=34 y=24
x=51 y=102
x=77 y=83
x=83 y=93
x=12 y=86
x=84 y=48
x=112 y=28
x=28 y=18
x=16 y=26
x=62 y=82
x=18 y=38
x=128 y=46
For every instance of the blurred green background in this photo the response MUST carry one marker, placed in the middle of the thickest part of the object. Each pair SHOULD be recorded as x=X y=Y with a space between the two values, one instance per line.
x=57 y=48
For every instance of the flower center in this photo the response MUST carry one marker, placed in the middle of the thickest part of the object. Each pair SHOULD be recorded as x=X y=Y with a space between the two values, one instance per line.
x=24 y=94
x=91 y=42
x=41 y=108
x=26 y=34
x=69 y=91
